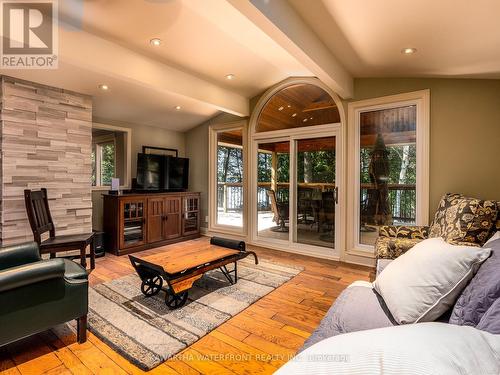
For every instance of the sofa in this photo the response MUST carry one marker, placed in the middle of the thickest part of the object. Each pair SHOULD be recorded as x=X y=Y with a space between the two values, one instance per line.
x=459 y=220
x=37 y=294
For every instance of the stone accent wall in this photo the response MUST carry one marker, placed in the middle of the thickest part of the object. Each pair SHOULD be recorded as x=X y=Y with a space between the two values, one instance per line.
x=46 y=136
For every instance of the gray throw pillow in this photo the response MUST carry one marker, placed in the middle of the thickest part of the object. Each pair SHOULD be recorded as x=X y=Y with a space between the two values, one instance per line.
x=490 y=322
x=482 y=291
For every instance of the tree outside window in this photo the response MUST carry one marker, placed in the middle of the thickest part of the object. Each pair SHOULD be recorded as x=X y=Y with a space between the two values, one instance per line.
x=103 y=163
x=388 y=169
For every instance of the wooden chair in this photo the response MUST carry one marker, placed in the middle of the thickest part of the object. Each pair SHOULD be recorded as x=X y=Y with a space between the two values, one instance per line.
x=327 y=216
x=305 y=206
x=37 y=208
x=281 y=212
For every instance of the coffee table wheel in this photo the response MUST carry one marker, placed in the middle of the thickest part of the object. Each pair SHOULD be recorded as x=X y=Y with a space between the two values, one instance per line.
x=151 y=286
x=174 y=301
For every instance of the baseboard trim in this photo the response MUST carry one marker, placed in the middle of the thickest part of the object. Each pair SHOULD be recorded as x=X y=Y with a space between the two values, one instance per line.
x=367 y=262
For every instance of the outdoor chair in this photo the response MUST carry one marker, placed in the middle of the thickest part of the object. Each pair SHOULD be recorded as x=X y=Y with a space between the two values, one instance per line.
x=281 y=212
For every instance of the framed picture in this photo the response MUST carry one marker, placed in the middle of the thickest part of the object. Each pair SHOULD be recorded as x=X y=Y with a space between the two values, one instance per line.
x=160 y=151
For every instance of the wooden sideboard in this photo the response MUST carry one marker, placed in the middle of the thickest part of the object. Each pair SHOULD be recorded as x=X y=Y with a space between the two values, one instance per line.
x=134 y=222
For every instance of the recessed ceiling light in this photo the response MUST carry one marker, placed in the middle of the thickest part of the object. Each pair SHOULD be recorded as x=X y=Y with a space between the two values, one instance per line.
x=289 y=106
x=281 y=108
x=408 y=51
x=304 y=120
x=310 y=118
x=230 y=76
x=294 y=114
x=104 y=87
x=155 y=42
x=178 y=107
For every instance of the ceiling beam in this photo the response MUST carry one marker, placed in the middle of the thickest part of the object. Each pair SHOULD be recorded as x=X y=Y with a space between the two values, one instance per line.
x=90 y=52
x=279 y=20
x=231 y=21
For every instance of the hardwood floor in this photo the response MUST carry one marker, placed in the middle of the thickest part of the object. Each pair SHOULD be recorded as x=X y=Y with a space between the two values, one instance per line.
x=257 y=341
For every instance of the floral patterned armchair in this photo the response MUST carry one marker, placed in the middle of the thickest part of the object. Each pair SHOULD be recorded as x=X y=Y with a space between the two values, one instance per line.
x=459 y=220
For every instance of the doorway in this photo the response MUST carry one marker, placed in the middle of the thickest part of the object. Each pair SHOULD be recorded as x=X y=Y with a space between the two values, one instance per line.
x=295 y=169
x=296 y=194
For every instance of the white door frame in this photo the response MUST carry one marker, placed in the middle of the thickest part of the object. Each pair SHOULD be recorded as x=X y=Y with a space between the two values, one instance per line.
x=341 y=143
x=292 y=135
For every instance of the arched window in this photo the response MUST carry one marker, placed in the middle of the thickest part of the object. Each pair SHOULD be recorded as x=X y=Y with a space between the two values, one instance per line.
x=295 y=106
x=295 y=161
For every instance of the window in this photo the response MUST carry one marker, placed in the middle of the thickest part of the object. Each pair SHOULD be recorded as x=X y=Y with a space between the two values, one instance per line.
x=388 y=173
x=110 y=156
x=227 y=193
x=230 y=178
x=103 y=163
x=389 y=148
x=296 y=106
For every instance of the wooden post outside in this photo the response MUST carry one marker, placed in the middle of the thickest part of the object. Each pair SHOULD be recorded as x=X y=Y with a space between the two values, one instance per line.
x=274 y=172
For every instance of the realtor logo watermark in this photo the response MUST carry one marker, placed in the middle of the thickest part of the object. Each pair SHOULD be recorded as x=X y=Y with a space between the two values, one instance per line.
x=29 y=34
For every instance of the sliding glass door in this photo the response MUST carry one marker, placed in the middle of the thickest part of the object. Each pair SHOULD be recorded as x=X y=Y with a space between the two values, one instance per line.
x=296 y=192
x=273 y=190
x=316 y=192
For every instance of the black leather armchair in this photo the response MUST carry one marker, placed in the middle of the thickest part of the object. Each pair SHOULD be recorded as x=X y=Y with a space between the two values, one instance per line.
x=37 y=294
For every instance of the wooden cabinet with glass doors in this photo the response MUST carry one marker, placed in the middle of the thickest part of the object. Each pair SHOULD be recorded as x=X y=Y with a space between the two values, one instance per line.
x=134 y=222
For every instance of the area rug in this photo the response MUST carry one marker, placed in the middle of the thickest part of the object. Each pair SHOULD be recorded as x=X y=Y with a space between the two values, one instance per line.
x=146 y=332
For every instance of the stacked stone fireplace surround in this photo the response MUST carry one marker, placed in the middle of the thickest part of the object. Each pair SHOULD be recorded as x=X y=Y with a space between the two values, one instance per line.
x=45 y=141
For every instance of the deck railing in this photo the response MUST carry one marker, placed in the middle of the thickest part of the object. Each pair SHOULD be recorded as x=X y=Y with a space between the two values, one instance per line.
x=230 y=196
x=402 y=197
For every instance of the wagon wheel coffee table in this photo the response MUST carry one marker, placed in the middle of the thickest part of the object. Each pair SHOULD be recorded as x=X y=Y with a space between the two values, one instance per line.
x=180 y=268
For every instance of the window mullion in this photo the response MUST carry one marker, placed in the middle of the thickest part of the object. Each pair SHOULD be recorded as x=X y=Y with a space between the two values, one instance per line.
x=98 y=167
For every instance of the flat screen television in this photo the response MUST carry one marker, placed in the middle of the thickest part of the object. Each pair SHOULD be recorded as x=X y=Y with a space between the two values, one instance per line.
x=149 y=172
x=176 y=173
x=159 y=172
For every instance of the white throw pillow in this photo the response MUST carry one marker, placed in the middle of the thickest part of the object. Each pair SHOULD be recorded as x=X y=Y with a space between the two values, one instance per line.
x=423 y=283
x=423 y=349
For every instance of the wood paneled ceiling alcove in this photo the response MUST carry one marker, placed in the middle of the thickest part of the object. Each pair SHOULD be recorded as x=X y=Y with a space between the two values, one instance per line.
x=304 y=145
x=396 y=125
x=297 y=106
x=232 y=137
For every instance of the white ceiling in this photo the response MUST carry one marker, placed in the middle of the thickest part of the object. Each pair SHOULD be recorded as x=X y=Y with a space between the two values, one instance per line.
x=261 y=42
x=203 y=41
x=453 y=38
x=195 y=39
x=124 y=101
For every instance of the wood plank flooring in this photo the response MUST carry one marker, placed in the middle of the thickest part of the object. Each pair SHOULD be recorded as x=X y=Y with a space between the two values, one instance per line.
x=258 y=340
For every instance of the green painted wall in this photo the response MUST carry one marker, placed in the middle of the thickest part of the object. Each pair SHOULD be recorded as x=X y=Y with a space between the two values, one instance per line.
x=465 y=135
x=465 y=132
